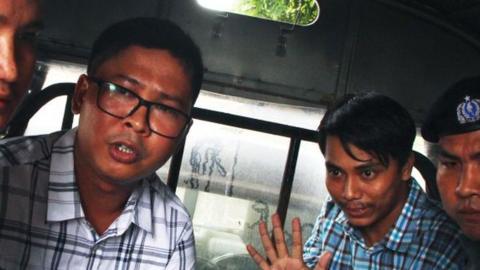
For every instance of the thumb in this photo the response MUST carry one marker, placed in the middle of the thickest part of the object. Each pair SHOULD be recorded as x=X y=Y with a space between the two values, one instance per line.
x=324 y=261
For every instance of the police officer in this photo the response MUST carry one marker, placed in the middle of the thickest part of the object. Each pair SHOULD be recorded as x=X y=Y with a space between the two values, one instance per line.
x=453 y=123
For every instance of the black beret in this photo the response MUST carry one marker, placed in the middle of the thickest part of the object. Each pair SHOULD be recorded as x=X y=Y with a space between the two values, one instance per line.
x=456 y=111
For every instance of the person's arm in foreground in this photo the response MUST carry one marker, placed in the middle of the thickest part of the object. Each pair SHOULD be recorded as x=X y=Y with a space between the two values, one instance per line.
x=278 y=254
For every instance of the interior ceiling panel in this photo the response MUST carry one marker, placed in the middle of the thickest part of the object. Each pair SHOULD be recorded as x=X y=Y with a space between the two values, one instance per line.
x=414 y=61
x=240 y=52
x=464 y=14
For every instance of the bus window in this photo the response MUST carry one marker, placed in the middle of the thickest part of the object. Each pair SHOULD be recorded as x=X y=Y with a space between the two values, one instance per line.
x=230 y=177
x=49 y=117
x=294 y=12
x=308 y=190
x=291 y=115
x=230 y=180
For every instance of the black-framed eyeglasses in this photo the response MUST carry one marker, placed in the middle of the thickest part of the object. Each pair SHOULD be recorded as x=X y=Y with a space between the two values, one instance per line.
x=121 y=102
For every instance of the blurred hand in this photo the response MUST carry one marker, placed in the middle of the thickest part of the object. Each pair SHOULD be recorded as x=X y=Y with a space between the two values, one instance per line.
x=277 y=253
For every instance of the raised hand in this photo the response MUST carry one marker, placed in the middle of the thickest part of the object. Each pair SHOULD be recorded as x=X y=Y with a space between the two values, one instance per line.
x=277 y=252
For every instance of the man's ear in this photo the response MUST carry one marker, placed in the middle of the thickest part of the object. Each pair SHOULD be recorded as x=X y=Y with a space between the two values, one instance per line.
x=80 y=93
x=406 y=171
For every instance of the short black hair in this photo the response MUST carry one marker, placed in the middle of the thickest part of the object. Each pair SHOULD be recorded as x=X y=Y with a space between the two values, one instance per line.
x=372 y=122
x=151 y=33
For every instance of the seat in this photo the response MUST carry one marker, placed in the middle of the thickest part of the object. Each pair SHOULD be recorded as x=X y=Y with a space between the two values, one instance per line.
x=33 y=102
x=428 y=171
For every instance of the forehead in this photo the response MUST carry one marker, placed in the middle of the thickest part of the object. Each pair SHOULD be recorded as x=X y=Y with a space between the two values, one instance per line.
x=464 y=139
x=461 y=143
x=153 y=69
x=349 y=153
x=19 y=12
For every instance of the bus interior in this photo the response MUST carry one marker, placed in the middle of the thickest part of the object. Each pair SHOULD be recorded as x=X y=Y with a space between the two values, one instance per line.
x=252 y=150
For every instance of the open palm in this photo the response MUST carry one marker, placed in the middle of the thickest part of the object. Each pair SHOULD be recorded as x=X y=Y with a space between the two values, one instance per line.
x=277 y=253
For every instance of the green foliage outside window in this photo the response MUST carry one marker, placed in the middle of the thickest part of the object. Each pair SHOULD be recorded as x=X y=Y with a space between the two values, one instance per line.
x=280 y=10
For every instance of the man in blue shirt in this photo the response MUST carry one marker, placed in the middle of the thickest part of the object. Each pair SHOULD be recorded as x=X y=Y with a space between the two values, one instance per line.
x=89 y=198
x=454 y=124
x=377 y=217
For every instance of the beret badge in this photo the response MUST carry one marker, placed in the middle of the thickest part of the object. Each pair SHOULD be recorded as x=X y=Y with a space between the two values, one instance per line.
x=468 y=111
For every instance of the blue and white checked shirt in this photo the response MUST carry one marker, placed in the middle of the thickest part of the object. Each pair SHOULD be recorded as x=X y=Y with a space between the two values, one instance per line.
x=423 y=237
x=43 y=225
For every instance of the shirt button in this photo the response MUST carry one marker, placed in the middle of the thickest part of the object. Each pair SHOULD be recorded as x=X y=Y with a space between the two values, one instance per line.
x=98 y=251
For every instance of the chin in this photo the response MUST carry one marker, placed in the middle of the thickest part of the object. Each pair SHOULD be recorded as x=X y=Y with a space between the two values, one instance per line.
x=359 y=222
x=472 y=232
x=120 y=178
x=114 y=184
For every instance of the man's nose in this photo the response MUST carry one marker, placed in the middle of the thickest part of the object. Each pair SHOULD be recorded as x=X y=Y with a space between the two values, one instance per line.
x=8 y=63
x=138 y=120
x=351 y=190
x=469 y=181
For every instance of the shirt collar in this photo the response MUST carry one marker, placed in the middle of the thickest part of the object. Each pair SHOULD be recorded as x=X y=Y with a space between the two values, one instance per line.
x=63 y=197
x=140 y=207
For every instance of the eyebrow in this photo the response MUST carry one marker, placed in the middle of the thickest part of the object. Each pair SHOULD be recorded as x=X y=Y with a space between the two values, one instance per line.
x=329 y=164
x=445 y=154
x=37 y=24
x=367 y=165
x=163 y=95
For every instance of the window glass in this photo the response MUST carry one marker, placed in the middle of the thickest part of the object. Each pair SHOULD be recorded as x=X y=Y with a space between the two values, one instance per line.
x=308 y=190
x=230 y=179
x=297 y=116
x=301 y=12
x=60 y=71
x=49 y=118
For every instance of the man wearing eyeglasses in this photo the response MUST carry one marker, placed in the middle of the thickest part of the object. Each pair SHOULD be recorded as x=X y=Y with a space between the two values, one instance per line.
x=89 y=198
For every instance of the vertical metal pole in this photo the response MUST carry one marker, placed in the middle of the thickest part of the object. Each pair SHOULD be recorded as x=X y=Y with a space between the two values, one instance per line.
x=68 y=114
x=287 y=182
x=175 y=164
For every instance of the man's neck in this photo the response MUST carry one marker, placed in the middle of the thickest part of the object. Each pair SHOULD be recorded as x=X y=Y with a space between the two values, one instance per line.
x=102 y=205
x=102 y=201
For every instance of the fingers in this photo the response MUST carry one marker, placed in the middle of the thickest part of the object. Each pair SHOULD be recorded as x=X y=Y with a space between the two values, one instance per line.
x=266 y=242
x=282 y=250
x=297 y=248
x=324 y=261
x=259 y=260
x=277 y=252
